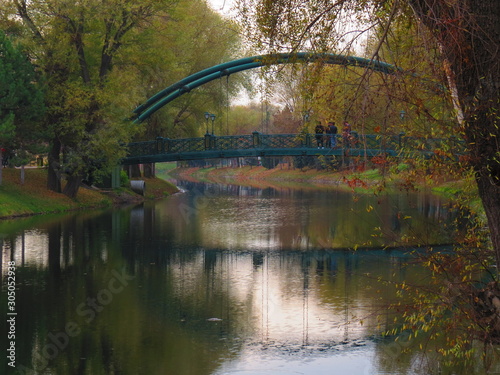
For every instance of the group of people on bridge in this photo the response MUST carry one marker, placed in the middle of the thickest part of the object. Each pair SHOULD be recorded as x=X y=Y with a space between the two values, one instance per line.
x=326 y=136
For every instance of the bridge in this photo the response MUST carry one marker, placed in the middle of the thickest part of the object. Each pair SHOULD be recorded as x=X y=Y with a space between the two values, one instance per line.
x=170 y=93
x=268 y=145
x=303 y=144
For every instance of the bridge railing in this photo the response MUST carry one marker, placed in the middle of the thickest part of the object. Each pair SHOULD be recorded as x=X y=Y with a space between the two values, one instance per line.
x=229 y=142
x=165 y=146
x=370 y=141
x=135 y=149
x=376 y=143
x=283 y=140
x=452 y=145
x=355 y=140
x=176 y=146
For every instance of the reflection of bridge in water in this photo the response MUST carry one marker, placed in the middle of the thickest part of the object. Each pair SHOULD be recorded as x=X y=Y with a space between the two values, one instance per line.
x=270 y=145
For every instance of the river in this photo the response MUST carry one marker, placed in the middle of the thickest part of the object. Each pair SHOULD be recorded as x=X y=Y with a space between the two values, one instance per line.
x=219 y=280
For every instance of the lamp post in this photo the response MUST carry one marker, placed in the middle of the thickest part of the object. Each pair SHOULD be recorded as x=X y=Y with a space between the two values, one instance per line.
x=212 y=117
x=305 y=116
x=402 y=115
x=207 y=116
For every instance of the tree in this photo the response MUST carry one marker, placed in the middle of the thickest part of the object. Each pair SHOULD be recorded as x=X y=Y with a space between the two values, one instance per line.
x=78 y=45
x=285 y=122
x=21 y=102
x=246 y=119
x=468 y=35
x=191 y=39
x=102 y=58
x=195 y=39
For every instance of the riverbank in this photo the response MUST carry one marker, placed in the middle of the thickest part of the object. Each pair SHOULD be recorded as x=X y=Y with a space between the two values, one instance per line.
x=369 y=181
x=32 y=198
x=358 y=180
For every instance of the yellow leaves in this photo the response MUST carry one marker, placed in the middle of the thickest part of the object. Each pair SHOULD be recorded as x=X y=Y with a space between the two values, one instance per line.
x=435 y=268
x=465 y=278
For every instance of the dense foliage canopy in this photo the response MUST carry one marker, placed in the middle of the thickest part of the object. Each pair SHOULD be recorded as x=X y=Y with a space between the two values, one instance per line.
x=102 y=58
x=21 y=105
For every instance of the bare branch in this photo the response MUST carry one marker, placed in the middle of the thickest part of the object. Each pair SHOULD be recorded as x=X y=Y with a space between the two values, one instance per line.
x=22 y=9
x=368 y=72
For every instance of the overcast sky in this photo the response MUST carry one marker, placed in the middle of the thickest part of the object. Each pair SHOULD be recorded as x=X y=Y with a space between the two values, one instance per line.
x=221 y=6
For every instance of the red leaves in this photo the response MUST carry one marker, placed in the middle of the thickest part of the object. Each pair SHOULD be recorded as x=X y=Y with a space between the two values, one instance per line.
x=355 y=182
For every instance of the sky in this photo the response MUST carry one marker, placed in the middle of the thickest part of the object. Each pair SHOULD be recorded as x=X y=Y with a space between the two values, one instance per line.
x=224 y=7
x=221 y=6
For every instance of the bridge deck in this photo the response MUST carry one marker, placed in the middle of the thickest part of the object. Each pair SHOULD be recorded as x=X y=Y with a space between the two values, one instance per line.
x=267 y=145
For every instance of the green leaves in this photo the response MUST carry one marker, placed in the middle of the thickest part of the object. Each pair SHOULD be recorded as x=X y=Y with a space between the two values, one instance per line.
x=21 y=99
x=7 y=129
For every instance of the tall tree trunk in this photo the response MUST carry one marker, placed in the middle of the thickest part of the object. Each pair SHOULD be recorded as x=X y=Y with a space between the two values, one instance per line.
x=469 y=35
x=490 y=196
x=72 y=186
x=53 y=173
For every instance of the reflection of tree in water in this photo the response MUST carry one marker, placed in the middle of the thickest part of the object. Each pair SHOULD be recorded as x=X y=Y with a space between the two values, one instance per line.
x=133 y=334
x=301 y=219
x=286 y=299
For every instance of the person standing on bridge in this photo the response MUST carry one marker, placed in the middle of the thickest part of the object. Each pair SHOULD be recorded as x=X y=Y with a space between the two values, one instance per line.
x=346 y=134
x=331 y=131
x=319 y=130
x=328 y=136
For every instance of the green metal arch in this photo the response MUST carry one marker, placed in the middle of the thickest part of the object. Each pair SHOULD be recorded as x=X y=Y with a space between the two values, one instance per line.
x=193 y=81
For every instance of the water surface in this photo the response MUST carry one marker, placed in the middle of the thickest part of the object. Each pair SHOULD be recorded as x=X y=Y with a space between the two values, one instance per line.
x=220 y=280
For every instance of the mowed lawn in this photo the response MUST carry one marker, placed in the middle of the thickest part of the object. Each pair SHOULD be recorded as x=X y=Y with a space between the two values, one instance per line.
x=32 y=197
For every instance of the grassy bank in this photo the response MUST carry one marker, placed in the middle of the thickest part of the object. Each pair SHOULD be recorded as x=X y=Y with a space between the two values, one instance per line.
x=361 y=181
x=285 y=177
x=33 y=198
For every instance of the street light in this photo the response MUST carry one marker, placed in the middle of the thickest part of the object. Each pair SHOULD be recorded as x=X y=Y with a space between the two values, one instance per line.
x=305 y=116
x=207 y=116
x=212 y=117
